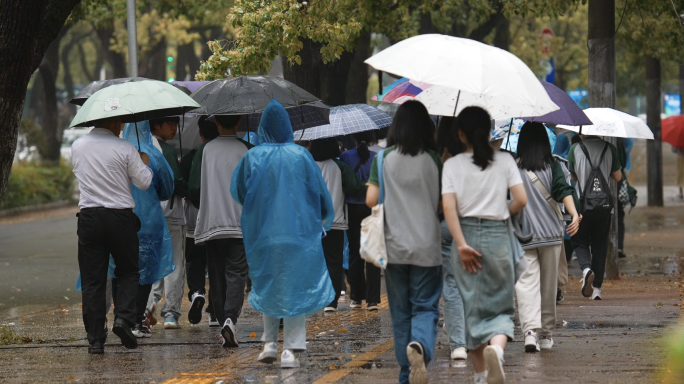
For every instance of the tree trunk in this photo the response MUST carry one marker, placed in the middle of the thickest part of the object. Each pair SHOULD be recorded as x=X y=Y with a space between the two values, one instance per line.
x=357 y=82
x=26 y=30
x=154 y=65
x=48 y=72
x=601 y=43
x=654 y=148
x=308 y=74
x=502 y=38
x=115 y=59
x=186 y=56
x=334 y=76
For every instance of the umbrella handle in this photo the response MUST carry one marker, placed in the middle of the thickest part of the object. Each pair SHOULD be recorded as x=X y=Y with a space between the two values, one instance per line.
x=580 y=132
x=508 y=140
x=136 y=134
x=457 y=98
x=180 y=136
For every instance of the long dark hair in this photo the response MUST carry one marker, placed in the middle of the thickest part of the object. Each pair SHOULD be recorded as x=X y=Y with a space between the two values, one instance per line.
x=324 y=149
x=362 y=140
x=475 y=123
x=447 y=136
x=412 y=130
x=534 y=149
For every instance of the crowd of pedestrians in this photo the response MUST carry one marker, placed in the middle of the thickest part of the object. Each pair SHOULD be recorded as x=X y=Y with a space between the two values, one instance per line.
x=251 y=216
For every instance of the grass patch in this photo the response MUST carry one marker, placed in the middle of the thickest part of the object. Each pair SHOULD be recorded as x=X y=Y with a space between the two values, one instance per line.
x=31 y=184
x=8 y=336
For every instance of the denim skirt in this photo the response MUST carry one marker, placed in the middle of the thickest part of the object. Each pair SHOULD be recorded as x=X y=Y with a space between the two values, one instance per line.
x=488 y=294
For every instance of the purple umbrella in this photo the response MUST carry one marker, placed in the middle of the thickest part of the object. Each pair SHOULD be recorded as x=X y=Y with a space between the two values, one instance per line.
x=568 y=114
x=192 y=86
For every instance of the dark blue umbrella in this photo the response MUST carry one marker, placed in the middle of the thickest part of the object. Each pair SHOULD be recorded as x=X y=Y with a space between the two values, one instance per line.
x=568 y=114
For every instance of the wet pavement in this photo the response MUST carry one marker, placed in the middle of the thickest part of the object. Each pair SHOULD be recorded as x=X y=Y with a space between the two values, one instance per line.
x=622 y=339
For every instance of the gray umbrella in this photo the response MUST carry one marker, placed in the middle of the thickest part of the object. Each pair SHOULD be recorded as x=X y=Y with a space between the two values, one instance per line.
x=346 y=120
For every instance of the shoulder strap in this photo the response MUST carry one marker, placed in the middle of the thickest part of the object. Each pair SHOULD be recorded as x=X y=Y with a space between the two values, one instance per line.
x=381 y=197
x=360 y=163
x=547 y=196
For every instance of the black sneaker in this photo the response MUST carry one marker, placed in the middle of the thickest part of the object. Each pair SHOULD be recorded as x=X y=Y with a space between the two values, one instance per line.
x=228 y=337
x=356 y=304
x=124 y=332
x=371 y=306
x=559 y=296
x=96 y=348
x=195 y=313
x=621 y=255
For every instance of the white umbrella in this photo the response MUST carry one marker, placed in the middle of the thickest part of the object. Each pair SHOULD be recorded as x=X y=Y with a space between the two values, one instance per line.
x=483 y=75
x=610 y=122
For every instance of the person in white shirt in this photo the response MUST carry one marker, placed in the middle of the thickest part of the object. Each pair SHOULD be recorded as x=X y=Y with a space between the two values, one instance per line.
x=105 y=166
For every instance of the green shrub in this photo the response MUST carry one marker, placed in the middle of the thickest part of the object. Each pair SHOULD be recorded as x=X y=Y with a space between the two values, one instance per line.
x=31 y=184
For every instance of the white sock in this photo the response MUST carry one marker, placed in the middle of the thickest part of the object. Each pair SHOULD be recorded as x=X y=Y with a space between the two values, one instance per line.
x=584 y=273
x=499 y=352
x=481 y=375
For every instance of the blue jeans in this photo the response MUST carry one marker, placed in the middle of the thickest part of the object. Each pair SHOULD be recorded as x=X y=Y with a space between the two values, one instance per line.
x=454 y=321
x=413 y=294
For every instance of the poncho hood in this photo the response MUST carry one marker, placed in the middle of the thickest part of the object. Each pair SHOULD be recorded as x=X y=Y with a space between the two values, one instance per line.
x=275 y=126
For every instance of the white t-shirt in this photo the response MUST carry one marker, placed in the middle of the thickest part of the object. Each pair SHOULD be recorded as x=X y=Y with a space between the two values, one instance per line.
x=480 y=193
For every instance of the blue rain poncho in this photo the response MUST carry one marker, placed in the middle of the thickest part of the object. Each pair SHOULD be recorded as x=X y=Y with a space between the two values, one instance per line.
x=156 y=250
x=286 y=208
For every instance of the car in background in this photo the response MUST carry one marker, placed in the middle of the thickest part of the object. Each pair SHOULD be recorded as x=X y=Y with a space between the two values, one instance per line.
x=68 y=137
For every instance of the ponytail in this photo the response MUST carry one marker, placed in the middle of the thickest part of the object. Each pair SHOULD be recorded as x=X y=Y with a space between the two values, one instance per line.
x=362 y=140
x=475 y=124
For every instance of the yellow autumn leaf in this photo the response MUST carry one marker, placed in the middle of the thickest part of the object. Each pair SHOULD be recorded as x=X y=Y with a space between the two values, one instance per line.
x=342 y=330
x=252 y=335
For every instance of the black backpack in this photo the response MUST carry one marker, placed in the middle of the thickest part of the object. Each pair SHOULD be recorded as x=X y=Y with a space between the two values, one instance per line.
x=596 y=195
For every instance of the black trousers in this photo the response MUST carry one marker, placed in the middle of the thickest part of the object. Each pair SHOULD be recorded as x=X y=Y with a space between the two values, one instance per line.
x=364 y=278
x=140 y=299
x=228 y=271
x=333 y=249
x=591 y=243
x=195 y=267
x=103 y=232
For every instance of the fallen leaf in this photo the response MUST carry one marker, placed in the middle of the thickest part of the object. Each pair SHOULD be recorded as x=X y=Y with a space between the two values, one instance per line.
x=70 y=378
x=342 y=330
x=23 y=319
x=253 y=334
x=332 y=367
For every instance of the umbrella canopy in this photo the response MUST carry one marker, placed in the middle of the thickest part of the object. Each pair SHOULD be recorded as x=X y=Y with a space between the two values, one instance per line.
x=345 y=120
x=400 y=91
x=305 y=116
x=569 y=113
x=473 y=74
x=510 y=141
x=191 y=86
x=96 y=85
x=672 y=130
x=611 y=122
x=249 y=94
x=133 y=102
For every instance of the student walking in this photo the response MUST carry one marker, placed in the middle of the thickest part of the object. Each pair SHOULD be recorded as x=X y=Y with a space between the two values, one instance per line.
x=286 y=209
x=364 y=278
x=410 y=180
x=195 y=255
x=171 y=286
x=475 y=185
x=341 y=181
x=590 y=161
x=105 y=166
x=448 y=146
x=218 y=223
x=545 y=186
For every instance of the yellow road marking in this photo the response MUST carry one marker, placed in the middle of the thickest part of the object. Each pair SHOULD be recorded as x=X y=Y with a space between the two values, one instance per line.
x=243 y=360
x=355 y=364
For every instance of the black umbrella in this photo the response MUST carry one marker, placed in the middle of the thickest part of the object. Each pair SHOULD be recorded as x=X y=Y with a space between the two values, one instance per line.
x=96 y=85
x=249 y=94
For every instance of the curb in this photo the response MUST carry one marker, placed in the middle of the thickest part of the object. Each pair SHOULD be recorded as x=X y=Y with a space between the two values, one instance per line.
x=35 y=208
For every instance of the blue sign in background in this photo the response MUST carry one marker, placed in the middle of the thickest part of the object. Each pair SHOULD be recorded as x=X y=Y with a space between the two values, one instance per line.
x=672 y=104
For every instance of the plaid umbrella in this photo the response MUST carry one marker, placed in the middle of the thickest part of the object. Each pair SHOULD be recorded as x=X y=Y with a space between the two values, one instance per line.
x=345 y=120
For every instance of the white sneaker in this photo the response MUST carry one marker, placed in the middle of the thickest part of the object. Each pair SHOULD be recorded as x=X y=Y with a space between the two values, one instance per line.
x=170 y=321
x=459 y=354
x=546 y=343
x=531 y=342
x=288 y=359
x=229 y=335
x=416 y=357
x=493 y=355
x=329 y=309
x=480 y=378
x=195 y=313
x=213 y=321
x=596 y=295
x=343 y=293
x=587 y=280
x=270 y=353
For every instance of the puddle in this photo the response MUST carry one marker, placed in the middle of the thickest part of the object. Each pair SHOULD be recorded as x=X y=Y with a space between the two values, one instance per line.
x=605 y=324
x=666 y=263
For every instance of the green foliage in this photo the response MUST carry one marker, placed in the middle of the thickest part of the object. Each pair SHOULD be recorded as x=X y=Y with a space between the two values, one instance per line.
x=32 y=134
x=31 y=184
x=8 y=336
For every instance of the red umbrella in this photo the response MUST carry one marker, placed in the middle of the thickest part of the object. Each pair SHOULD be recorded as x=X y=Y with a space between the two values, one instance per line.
x=672 y=131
